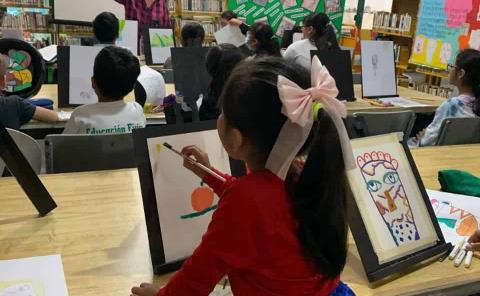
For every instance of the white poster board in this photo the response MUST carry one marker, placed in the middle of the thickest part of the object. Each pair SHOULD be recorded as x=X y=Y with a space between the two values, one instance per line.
x=378 y=69
x=86 y=10
x=82 y=59
x=185 y=207
x=161 y=40
x=230 y=34
x=389 y=198
x=458 y=215
x=36 y=276
x=128 y=35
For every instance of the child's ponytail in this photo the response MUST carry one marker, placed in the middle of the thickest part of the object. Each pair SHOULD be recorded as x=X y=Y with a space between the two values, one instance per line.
x=319 y=197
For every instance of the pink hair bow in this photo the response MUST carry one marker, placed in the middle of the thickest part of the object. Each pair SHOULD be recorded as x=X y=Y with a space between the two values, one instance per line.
x=297 y=107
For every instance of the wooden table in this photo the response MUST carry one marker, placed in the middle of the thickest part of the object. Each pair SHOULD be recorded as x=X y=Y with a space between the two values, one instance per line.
x=432 y=102
x=99 y=229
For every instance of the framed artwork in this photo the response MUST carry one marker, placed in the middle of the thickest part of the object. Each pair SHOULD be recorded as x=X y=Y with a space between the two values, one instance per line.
x=178 y=205
x=157 y=44
x=393 y=222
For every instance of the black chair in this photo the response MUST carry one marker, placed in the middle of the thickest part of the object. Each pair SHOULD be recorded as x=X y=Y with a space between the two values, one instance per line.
x=459 y=131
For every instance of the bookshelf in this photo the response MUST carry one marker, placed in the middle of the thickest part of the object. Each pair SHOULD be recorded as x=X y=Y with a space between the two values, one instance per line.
x=205 y=12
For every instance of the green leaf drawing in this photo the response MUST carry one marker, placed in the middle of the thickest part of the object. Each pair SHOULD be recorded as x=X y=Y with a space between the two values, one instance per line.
x=161 y=40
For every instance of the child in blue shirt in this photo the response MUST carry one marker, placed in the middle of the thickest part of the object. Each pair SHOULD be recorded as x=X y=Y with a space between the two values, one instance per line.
x=465 y=75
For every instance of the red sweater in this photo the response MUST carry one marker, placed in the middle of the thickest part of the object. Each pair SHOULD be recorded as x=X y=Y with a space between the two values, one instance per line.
x=252 y=239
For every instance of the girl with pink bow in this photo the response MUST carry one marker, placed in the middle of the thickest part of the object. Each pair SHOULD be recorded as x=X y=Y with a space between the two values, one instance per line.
x=282 y=229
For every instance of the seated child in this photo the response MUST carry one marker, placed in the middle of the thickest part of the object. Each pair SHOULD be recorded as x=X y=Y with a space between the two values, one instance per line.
x=115 y=73
x=465 y=75
x=276 y=231
x=15 y=112
x=220 y=62
x=105 y=29
x=193 y=35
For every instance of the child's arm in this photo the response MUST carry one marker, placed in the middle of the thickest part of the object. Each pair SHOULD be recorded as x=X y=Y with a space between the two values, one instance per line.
x=228 y=244
x=45 y=115
x=201 y=157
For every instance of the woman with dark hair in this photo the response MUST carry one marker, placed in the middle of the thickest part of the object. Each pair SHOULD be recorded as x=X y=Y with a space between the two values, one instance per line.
x=220 y=62
x=318 y=34
x=262 y=41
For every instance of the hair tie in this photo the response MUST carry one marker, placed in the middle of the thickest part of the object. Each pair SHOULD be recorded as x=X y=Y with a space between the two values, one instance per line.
x=316 y=108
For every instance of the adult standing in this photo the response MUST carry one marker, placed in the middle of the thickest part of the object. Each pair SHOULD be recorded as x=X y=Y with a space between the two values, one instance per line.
x=147 y=12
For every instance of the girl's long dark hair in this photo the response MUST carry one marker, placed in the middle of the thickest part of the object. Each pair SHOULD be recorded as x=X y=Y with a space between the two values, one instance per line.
x=469 y=61
x=324 y=36
x=250 y=103
x=266 y=38
x=220 y=62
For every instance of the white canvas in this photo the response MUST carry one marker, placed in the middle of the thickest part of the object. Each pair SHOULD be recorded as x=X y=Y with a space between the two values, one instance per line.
x=82 y=59
x=174 y=186
x=86 y=10
x=161 y=40
x=378 y=69
x=128 y=35
x=389 y=199
x=230 y=34
x=458 y=215
x=36 y=276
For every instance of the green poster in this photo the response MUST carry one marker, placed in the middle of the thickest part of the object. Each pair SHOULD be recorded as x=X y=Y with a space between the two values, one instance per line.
x=284 y=14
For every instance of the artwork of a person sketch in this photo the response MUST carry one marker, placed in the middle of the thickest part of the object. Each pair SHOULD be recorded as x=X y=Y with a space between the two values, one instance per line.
x=380 y=173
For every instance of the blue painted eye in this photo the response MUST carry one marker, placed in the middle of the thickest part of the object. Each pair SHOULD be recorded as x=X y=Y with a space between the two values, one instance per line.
x=390 y=178
x=374 y=185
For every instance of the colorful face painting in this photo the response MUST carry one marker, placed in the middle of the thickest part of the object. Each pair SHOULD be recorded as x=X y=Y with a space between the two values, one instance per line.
x=19 y=75
x=380 y=173
x=202 y=202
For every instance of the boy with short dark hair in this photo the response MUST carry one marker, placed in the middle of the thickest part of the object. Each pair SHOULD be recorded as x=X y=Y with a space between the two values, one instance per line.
x=15 y=112
x=115 y=73
x=106 y=28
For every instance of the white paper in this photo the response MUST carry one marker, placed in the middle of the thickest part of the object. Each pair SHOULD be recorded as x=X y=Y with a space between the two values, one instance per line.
x=49 y=53
x=378 y=69
x=174 y=187
x=86 y=10
x=402 y=102
x=64 y=116
x=153 y=84
x=82 y=59
x=230 y=34
x=458 y=215
x=161 y=40
x=36 y=276
x=128 y=35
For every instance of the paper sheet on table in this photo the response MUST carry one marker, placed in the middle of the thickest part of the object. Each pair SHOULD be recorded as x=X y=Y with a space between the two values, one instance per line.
x=64 y=115
x=35 y=276
x=458 y=215
x=402 y=102
x=230 y=34
x=153 y=84
x=49 y=53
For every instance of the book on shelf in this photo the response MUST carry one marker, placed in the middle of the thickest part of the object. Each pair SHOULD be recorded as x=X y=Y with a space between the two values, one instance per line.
x=34 y=3
x=74 y=29
x=171 y=5
x=26 y=21
x=202 y=5
x=401 y=23
x=401 y=53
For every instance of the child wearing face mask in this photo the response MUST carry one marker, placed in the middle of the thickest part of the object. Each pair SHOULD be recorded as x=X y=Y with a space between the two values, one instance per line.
x=261 y=40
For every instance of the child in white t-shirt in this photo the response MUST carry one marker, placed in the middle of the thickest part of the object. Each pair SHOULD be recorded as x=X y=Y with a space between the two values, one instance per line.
x=114 y=75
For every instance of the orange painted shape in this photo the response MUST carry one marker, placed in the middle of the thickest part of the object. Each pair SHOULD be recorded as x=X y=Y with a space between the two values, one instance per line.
x=467 y=226
x=202 y=198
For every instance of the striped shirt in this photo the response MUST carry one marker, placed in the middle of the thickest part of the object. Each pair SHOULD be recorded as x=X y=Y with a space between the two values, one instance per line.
x=155 y=16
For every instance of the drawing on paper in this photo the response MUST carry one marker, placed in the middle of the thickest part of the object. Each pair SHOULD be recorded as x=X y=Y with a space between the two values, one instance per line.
x=310 y=4
x=380 y=174
x=19 y=75
x=260 y=2
x=375 y=64
x=333 y=6
x=161 y=40
x=21 y=288
x=285 y=24
x=202 y=202
x=461 y=221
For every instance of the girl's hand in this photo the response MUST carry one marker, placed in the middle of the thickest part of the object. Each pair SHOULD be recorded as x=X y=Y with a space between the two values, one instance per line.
x=474 y=242
x=420 y=135
x=200 y=156
x=235 y=22
x=145 y=290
